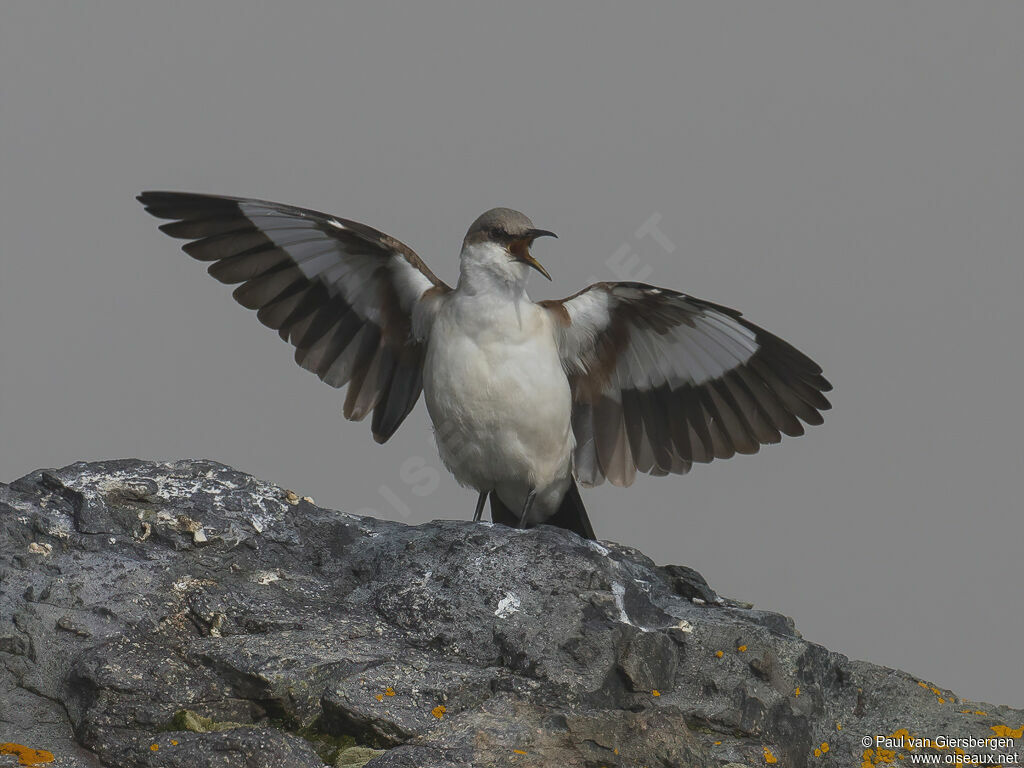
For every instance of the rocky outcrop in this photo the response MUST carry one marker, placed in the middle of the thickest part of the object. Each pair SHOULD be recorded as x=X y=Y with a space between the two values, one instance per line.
x=186 y=614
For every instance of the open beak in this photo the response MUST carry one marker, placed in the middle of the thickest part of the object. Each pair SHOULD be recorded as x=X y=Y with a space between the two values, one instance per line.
x=523 y=252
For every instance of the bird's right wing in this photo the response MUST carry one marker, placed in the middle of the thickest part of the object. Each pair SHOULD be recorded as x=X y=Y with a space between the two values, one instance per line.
x=341 y=292
x=661 y=380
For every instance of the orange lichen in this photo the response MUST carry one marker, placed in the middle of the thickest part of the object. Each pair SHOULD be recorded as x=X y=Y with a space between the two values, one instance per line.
x=943 y=698
x=1006 y=732
x=389 y=691
x=519 y=751
x=379 y=697
x=797 y=691
x=769 y=757
x=717 y=743
x=439 y=711
x=719 y=654
x=26 y=755
x=174 y=742
x=655 y=692
x=742 y=649
x=872 y=757
x=154 y=747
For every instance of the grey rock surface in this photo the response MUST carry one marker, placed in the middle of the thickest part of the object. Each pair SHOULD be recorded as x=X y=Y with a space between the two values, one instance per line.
x=186 y=614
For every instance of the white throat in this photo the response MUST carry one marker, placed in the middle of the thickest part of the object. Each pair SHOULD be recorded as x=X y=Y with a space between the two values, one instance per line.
x=488 y=268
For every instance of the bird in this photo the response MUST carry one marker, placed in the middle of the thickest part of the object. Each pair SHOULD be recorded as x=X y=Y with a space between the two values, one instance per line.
x=528 y=400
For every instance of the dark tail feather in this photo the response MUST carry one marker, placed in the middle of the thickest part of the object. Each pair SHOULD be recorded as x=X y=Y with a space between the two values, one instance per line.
x=571 y=514
x=502 y=514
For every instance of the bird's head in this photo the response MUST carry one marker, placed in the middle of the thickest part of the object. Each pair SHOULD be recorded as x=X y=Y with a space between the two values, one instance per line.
x=499 y=242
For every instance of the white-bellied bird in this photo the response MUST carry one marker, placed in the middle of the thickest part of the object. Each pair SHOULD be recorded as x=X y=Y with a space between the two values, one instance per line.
x=526 y=398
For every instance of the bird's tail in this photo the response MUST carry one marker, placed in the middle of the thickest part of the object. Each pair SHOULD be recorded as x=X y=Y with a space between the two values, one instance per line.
x=571 y=514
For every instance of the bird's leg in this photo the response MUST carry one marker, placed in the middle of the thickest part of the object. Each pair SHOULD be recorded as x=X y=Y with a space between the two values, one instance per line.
x=527 y=505
x=479 y=506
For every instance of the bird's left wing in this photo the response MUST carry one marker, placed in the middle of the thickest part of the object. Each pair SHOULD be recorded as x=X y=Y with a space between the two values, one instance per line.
x=661 y=380
x=341 y=292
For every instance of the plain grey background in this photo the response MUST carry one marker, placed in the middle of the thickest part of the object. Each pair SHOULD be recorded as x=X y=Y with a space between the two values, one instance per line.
x=850 y=175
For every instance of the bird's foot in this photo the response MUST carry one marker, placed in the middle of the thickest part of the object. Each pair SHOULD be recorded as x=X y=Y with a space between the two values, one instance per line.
x=480 y=506
x=527 y=505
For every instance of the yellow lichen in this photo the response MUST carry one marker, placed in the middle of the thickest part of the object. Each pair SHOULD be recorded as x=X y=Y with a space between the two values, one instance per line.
x=769 y=757
x=154 y=747
x=742 y=649
x=26 y=755
x=824 y=747
x=839 y=726
x=439 y=711
x=355 y=757
x=655 y=692
x=717 y=743
x=719 y=654
x=187 y=720
x=817 y=752
x=797 y=691
x=174 y=742
x=519 y=751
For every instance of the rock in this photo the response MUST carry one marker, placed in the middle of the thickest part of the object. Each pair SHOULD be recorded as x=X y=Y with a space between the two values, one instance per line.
x=186 y=614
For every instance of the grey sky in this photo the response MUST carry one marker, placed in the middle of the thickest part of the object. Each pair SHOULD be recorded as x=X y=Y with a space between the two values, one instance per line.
x=849 y=175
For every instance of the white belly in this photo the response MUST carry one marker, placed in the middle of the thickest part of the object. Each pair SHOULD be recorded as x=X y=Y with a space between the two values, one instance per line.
x=500 y=401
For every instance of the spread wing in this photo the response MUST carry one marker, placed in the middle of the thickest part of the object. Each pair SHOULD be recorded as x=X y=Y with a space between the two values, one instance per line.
x=341 y=292
x=661 y=380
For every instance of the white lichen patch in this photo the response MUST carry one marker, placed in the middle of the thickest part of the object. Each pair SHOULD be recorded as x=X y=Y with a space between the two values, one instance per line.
x=508 y=605
x=619 y=593
x=603 y=551
x=186 y=583
x=266 y=577
x=44 y=548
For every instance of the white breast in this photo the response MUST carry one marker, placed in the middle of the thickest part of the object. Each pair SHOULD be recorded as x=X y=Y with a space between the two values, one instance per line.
x=499 y=399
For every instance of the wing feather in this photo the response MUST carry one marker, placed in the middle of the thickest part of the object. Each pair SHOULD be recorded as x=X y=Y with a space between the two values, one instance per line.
x=662 y=380
x=342 y=293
